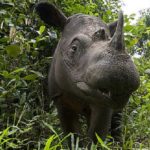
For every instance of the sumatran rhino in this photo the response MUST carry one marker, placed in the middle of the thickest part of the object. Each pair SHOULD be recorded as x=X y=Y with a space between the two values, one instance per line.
x=91 y=73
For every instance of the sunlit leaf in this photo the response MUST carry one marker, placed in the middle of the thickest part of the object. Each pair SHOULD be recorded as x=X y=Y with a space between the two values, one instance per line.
x=18 y=70
x=30 y=77
x=147 y=71
x=39 y=74
x=101 y=142
x=42 y=29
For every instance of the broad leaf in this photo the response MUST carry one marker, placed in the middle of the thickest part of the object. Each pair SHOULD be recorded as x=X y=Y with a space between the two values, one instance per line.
x=13 y=50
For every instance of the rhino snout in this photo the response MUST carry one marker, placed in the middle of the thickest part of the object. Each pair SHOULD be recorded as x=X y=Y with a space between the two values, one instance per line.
x=119 y=78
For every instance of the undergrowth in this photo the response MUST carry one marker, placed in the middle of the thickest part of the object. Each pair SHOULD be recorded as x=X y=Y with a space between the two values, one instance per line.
x=28 y=120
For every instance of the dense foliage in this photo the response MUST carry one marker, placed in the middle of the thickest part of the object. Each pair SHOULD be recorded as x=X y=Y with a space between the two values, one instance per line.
x=27 y=119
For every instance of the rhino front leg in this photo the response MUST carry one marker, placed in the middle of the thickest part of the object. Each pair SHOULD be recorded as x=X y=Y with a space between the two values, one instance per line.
x=116 y=129
x=69 y=122
x=100 y=122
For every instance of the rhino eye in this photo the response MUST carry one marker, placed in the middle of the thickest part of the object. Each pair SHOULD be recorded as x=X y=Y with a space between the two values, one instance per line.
x=74 y=48
x=75 y=45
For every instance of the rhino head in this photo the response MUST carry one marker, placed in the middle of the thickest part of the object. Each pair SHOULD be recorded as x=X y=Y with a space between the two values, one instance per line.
x=90 y=63
x=91 y=58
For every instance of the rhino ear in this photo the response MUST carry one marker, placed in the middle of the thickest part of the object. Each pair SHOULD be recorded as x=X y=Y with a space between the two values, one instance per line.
x=112 y=27
x=51 y=15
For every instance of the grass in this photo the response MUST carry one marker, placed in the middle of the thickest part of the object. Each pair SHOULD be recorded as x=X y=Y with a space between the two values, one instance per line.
x=43 y=131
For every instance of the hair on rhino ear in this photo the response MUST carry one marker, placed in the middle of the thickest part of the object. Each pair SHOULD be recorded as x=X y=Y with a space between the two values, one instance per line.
x=112 y=27
x=51 y=15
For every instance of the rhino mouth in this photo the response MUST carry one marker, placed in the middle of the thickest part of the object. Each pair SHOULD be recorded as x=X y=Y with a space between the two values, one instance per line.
x=103 y=96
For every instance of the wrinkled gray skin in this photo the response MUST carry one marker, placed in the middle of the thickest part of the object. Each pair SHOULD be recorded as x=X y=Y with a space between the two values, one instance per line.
x=91 y=72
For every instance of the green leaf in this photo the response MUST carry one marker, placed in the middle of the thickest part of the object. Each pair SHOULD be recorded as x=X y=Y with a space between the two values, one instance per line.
x=102 y=143
x=18 y=70
x=4 y=40
x=30 y=77
x=50 y=127
x=49 y=142
x=6 y=74
x=42 y=29
x=37 y=73
x=13 y=50
x=4 y=133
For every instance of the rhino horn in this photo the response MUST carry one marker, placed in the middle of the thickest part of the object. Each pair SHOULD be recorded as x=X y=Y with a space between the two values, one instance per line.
x=117 y=41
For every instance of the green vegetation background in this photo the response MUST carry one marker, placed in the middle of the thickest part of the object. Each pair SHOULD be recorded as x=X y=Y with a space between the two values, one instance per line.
x=27 y=119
